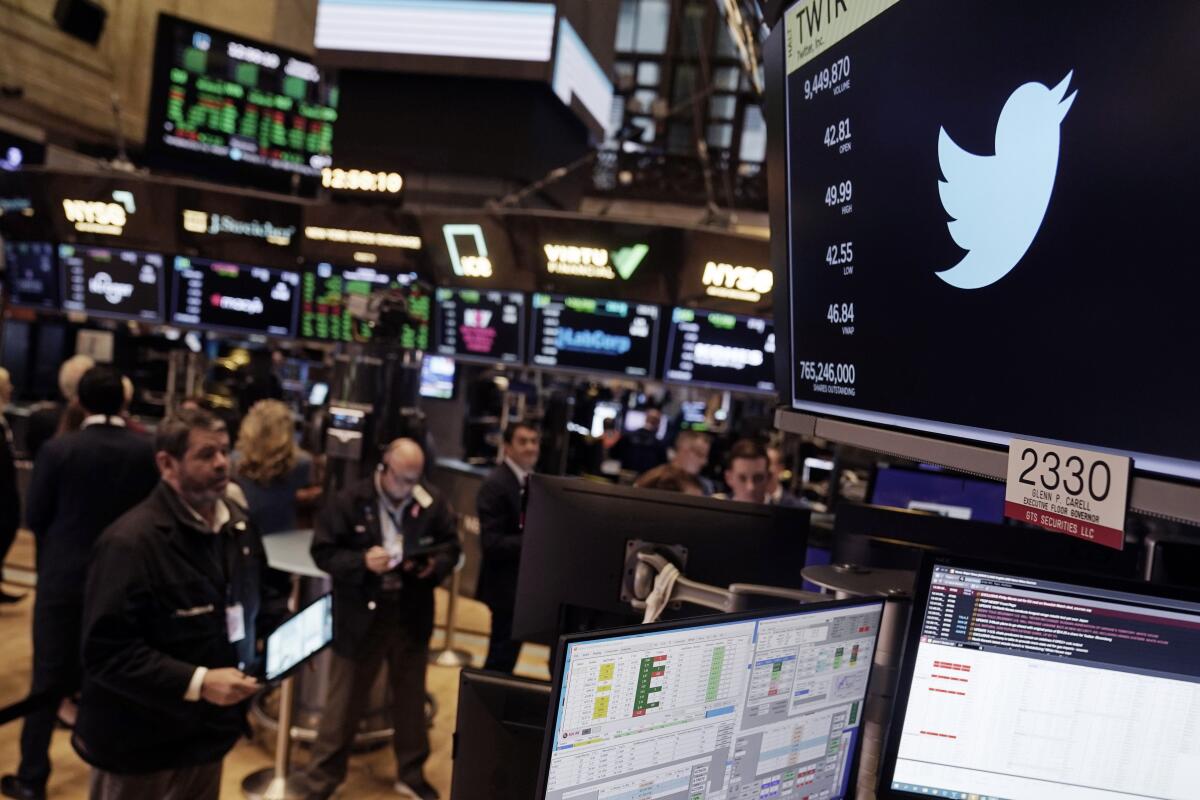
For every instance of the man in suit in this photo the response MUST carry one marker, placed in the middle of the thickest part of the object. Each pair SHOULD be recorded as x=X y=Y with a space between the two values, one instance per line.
x=387 y=542
x=82 y=481
x=10 y=496
x=50 y=419
x=500 y=505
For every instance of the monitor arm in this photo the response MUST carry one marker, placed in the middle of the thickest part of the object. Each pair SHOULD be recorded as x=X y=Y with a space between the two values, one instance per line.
x=736 y=598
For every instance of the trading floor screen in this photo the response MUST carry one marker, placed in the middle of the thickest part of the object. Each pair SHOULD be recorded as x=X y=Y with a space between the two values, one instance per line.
x=1026 y=689
x=591 y=334
x=766 y=707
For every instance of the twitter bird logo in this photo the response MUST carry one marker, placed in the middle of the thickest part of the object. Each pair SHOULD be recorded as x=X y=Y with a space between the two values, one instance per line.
x=997 y=203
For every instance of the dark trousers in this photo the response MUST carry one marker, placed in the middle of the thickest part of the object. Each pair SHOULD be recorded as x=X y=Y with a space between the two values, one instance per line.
x=350 y=682
x=57 y=628
x=201 y=782
x=502 y=650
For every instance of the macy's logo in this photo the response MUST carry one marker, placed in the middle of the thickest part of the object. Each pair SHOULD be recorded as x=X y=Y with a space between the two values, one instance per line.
x=240 y=304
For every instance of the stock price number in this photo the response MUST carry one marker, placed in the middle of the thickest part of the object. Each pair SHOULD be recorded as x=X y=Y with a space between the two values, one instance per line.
x=827 y=372
x=1072 y=474
x=838 y=254
x=839 y=193
x=828 y=78
x=840 y=313
x=838 y=133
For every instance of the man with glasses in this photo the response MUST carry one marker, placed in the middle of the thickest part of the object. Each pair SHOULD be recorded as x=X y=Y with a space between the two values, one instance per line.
x=386 y=542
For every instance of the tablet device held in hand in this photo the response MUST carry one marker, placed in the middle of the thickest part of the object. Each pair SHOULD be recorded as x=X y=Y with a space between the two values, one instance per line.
x=304 y=635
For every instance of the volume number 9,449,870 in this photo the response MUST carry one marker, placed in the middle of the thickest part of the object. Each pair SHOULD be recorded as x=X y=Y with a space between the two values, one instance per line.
x=827 y=78
x=827 y=372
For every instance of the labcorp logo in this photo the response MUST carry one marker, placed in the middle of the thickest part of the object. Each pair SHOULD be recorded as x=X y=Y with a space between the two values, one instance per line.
x=997 y=203
x=97 y=216
x=467 y=266
x=594 y=262
x=737 y=283
x=113 y=291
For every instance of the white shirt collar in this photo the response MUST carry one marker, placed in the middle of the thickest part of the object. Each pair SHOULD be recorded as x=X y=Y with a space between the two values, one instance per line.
x=221 y=516
x=102 y=419
x=521 y=474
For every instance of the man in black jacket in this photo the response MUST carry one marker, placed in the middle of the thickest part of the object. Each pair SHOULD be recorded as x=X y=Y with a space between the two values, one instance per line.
x=500 y=505
x=10 y=496
x=82 y=481
x=175 y=602
x=387 y=542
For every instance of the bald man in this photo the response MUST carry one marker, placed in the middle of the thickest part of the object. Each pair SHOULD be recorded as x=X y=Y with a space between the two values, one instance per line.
x=387 y=542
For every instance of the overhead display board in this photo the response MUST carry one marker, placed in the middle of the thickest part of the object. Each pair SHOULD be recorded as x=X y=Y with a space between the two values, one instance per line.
x=727 y=351
x=238 y=227
x=234 y=297
x=32 y=275
x=480 y=325
x=112 y=282
x=334 y=301
x=218 y=98
x=982 y=220
x=350 y=233
x=593 y=334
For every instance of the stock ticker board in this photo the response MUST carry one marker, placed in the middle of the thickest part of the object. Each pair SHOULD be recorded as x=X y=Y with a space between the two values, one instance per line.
x=229 y=98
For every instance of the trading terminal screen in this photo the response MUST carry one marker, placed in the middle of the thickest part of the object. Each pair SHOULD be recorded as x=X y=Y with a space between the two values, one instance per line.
x=223 y=96
x=969 y=192
x=765 y=707
x=729 y=351
x=109 y=282
x=235 y=297
x=329 y=291
x=592 y=334
x=32 y=275
x=480 y=324
x=1026 y=689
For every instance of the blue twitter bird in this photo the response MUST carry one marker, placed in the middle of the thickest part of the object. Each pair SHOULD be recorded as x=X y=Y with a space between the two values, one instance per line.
x=997 y=203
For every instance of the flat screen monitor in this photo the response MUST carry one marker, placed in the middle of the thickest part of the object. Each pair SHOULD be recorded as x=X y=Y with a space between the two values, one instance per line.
x=437 y=377
x=32 y=275
x=728 y=351
x=743 y=706
x=111 y=282
x=480 y=325
x=1024 y=684
x=334 y=301
x=579 y=536
x=304 y=635
x=938 y=492
x=589 y=334
x=498 y=736
x=959 y=205
x=220 y=100
x=221 y=295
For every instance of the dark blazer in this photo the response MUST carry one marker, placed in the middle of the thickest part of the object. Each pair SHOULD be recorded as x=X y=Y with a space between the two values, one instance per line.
x=498 y=504
x=10 y=496
x=154 y=611
x=346 y=528
x=82 y=481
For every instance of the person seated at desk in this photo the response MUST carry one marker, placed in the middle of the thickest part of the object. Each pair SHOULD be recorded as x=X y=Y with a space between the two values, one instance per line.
x=692 y=449
x=275 y=475
x=642 y=450
x=746 y=474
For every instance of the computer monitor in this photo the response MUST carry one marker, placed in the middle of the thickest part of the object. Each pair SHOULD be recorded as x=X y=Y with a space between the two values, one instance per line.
x=938 y=492
x=1021 y=683
x=875 y=536
x=484 y=325
x=590 y=334
x=579 y=536
x=498 y=736
x=437 y=377
x=729 y=351
x=32 y=275
x=240 y=298
x=112 y=282
x=741 y=706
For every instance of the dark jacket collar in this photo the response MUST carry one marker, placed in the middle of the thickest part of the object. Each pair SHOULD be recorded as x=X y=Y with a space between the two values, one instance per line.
x=178 y=515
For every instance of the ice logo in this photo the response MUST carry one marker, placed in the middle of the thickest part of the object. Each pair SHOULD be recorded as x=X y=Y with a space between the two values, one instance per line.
x=997 y=203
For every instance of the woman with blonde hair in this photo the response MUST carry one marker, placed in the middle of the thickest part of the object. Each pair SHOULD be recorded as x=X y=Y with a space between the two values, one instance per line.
x=276 y=475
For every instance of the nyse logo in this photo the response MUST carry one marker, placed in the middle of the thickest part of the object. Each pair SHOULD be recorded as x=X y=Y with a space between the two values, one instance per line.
x=737 y=283
x=97 y=216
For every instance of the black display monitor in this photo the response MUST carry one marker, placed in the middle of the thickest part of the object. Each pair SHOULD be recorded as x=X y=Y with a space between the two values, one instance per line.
x=578 y=536
x=726 y=351
x=756 y=705
x=938 y=492
x=235 y=297
x=961 y=196
x=112 y=282
x=594 y=335
x=223 y=101
x=1023 y=683
x=480 y=325
x=32 y=275
x=498 y=736
x=334 y=299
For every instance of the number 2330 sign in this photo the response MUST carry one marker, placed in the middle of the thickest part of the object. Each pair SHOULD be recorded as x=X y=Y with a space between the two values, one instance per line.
x=1076 y=492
